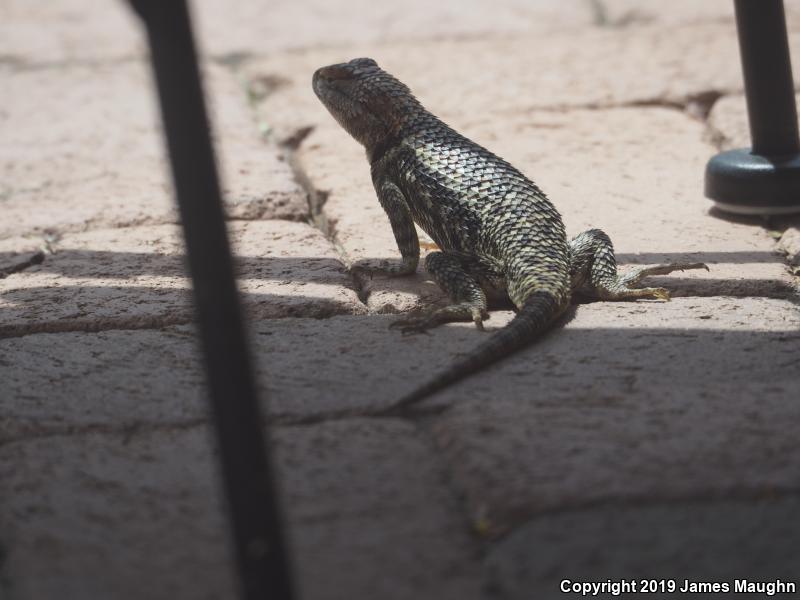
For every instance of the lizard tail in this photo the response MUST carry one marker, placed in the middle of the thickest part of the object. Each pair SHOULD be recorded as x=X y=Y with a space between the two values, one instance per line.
x=534 y=318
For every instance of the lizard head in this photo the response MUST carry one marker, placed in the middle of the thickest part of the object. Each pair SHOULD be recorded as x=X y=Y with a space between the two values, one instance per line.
x=367 y=101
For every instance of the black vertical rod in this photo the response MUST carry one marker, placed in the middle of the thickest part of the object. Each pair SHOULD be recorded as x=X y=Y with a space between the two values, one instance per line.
x=261 y=549
x=767 y=68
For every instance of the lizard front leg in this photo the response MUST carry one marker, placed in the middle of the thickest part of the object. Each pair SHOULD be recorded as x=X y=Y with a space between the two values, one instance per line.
x=593 y=269
x=469 y=299
x=405 y=234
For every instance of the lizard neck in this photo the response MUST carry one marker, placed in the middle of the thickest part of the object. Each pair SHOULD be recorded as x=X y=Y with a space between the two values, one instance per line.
x=411 y=122
x=376 y=152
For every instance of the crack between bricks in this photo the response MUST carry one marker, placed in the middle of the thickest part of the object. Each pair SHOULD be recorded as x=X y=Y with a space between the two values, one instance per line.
x=316 y=206
x=697 y=105
x=742 y=493
x=458 y=494
x=32 y=431
x=149 y=322
x=91 y=325
x=315 y=197
x=128 y=431
x=420 y=418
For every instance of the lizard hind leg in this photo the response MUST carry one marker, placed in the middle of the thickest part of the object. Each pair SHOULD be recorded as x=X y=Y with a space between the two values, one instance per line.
x=593 y=269
x=469 y=299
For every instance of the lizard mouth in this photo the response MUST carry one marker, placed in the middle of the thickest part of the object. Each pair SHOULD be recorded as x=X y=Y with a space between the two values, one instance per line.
x=328 y=92
x=323 y=84
x=318 y=81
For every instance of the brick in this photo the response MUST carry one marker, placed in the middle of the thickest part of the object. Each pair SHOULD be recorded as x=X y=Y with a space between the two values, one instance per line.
x=264 y=29
x=70 y=30
x=130 y=278
x=491 y=78
x=367 y=514
x=728 y=122
x=704 y=540
x=82 y=146
x=64 y=382
x=655 y=401
x=64 y=31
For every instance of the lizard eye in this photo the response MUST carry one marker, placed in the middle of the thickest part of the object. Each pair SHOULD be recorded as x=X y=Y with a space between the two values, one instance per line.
x=335 y=73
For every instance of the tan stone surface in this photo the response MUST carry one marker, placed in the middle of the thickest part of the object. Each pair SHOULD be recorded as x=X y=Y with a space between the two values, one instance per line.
x=64 y=31
x=72 y=382
x=728 y=122
x=627 y=401
x=692 y=398
x=702 y=539
x=373 y=514
x=790 y=245
x=102 y=437
x=265 y=28
x=628 y=13
x=100 y=516
x=153 y=498
x=80 y=147
x=124 y=379
x=601 y=169
x=131 y=278
x=492 y=78
x=75 y=30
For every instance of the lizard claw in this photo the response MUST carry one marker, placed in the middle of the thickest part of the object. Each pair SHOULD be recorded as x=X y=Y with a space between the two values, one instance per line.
x=414 y=323
x=658 y=294
x=478 y=315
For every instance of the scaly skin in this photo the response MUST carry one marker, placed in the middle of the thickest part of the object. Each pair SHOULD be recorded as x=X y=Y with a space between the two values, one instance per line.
x=495 y=229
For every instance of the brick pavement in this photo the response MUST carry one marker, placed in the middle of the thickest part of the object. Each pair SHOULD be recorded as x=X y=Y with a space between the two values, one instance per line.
x=638 y=417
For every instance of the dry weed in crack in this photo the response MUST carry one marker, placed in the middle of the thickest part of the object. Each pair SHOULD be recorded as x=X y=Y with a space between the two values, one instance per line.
x=261 y=87
x=293 y=141
x=699 y=105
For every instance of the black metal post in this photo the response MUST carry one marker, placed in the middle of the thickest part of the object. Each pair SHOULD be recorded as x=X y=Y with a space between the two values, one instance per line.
x=252 y=499
x=767 y=70
x=764 y=179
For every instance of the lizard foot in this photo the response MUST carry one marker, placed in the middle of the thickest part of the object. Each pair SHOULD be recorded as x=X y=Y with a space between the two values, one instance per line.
x=420 y=323
x=414 y=324
x=625 y=293
x=623 y=289
x=655 y=293
x=636 y=275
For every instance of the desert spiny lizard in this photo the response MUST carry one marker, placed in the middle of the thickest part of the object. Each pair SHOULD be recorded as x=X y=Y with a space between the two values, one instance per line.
x=495 y=229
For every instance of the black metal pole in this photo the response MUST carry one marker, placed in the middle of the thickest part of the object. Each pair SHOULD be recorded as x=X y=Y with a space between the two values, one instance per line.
x=764 y=179
x=252 y=499
x=767 y=68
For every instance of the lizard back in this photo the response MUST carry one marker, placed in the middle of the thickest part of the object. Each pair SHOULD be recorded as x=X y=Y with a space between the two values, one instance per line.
x=472 y=202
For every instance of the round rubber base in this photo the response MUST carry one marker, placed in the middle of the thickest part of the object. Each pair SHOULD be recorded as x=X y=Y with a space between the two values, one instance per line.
x=750 y=184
